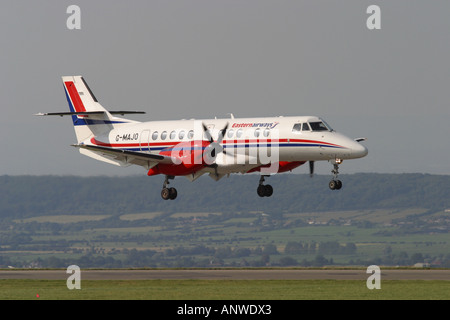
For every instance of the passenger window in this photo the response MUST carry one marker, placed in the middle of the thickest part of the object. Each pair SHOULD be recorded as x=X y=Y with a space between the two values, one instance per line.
x=266 y=132
x=181 y=135
x=257 y=132
x=297 y=127
x=173 y=135
x=239 y=133
x=164 y=135
x=230 y=133
x=190 y=134
x=155 y=135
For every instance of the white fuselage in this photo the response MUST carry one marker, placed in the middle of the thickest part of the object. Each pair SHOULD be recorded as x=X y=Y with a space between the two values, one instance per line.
x=248 y=142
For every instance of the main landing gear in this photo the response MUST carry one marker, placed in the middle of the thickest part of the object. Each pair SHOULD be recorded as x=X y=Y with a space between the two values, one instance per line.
x=335 y=184
x=168 y=193
x=264 y=190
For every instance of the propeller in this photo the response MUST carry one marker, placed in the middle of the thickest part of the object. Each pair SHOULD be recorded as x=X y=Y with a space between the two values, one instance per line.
x=311 y=168
x=215 y=146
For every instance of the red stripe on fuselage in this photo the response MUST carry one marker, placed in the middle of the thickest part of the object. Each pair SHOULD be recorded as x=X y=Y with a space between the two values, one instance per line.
x=74 y=96
x=131 y=145
x=225 y=142
x=313 y=141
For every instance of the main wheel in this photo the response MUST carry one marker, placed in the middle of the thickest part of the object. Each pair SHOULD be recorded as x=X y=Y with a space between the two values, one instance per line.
x=268 y=190
x=332 y=185
x=172 y=193
x=165 y=193
x=335 y=184
x=261 y=190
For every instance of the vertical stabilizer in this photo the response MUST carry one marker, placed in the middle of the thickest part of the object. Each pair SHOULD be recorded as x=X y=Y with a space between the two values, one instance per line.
x=96 y=120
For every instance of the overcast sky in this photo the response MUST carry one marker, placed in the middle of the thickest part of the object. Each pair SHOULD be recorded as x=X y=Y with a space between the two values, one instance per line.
x=200 y=59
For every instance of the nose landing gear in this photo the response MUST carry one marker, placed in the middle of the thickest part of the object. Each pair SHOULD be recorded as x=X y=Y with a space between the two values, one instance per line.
x=335 y=184
x=168 y=193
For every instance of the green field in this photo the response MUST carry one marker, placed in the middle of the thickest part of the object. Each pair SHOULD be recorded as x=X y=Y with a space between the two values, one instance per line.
x=198 y=239
x=224 y=290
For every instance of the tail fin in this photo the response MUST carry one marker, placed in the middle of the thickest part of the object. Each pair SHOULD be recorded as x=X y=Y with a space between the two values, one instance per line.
x=89 y=117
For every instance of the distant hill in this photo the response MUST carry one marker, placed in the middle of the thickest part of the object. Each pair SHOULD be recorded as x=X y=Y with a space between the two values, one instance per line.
x=26 y=196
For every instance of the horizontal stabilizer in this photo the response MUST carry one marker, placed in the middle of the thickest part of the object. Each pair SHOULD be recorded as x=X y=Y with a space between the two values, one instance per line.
x=69 y=113
x=127 y=112
x=86 y=113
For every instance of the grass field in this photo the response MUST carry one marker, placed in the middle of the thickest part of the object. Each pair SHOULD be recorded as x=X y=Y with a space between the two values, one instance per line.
x=224 y=290
x=201 y=239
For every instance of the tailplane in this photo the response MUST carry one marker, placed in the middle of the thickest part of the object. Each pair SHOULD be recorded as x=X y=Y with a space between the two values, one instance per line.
x=89 y=117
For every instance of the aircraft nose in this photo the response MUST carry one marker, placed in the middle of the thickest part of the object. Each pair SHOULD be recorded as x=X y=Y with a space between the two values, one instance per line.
x=358 y=150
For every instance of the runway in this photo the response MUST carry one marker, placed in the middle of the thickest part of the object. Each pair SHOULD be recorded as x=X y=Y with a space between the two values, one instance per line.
x=229 y=274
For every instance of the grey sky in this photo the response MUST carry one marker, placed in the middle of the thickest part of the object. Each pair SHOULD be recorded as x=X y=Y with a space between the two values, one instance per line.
x=199 y=59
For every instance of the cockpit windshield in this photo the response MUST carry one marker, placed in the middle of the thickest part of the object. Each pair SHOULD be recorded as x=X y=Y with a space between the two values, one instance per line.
x=315 y=126
x=320 y=126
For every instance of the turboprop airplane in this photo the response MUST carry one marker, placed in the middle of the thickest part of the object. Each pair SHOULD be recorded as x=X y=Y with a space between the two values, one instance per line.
x=217 y=147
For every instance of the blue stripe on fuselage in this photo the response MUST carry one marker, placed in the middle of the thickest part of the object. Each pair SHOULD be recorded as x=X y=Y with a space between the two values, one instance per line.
x=228 y=146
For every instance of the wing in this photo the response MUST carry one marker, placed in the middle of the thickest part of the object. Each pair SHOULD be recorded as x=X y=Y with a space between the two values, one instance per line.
x=126 y=157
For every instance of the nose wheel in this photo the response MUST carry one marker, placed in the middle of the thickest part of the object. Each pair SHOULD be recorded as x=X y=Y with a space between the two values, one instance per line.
x=335 y=184
x=264 y=190
x=168 y=193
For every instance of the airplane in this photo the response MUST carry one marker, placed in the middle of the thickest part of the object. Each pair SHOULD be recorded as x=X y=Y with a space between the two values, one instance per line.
x=217 y=147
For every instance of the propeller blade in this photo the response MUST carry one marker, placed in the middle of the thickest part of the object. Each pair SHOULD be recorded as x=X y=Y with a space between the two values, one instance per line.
x=222 y=133
x=215 y=147
x=311 y=168
x=207 y=134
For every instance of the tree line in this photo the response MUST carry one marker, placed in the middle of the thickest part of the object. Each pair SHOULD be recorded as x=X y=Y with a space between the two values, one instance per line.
x=27 y=196
x=196 y=256
x=203 y=256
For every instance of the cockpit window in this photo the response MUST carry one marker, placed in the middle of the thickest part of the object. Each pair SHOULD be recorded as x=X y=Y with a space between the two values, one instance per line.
x=305 y=127
x=319 y=126
x=311 y=126
x=297 y=127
